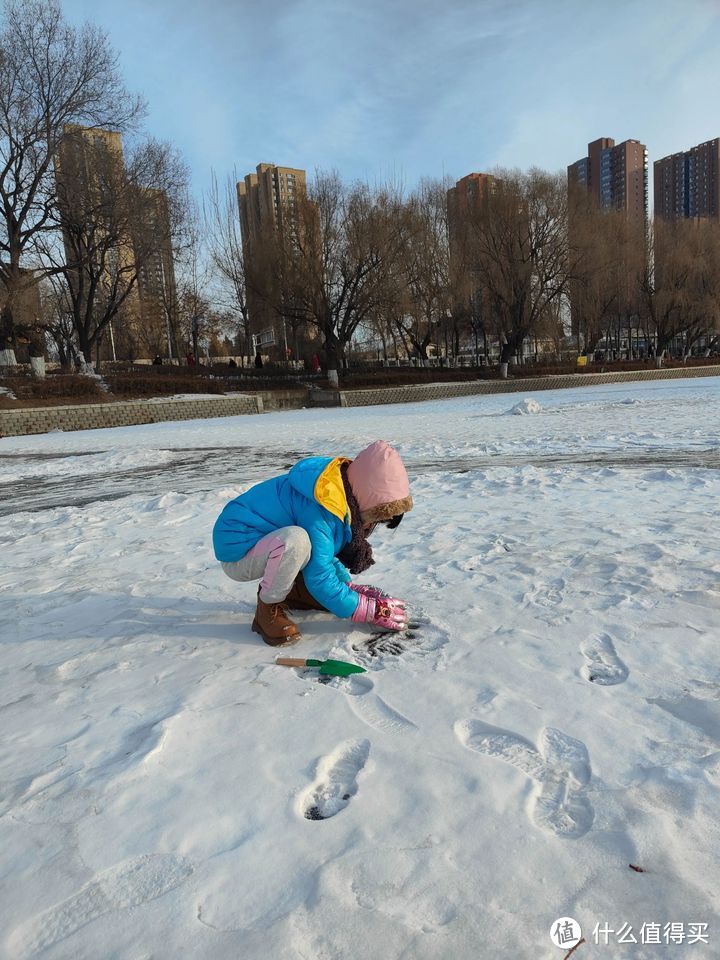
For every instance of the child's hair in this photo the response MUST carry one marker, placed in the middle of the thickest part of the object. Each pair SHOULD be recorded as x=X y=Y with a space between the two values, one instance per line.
x=391 y=524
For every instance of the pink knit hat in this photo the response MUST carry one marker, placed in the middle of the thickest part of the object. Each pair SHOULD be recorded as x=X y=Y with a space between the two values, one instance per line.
x=380 y=483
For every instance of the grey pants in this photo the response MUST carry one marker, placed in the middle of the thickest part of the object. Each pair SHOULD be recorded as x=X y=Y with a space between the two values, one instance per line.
x=276 y=560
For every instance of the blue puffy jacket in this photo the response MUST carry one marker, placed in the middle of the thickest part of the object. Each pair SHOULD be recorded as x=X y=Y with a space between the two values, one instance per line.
x=311 y=496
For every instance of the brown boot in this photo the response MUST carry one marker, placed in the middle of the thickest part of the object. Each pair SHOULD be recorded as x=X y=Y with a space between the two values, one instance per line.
x=273 y=624
x=300 y=597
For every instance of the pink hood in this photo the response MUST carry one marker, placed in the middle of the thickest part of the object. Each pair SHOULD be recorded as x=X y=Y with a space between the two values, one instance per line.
x=380 y=483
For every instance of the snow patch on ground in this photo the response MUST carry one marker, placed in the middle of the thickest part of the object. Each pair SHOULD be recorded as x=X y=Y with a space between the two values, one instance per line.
x=188 y=397
x=526 y=406
x=17 y=468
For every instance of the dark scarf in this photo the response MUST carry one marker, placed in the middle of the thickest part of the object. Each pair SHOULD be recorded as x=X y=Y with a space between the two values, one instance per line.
x=356 y=555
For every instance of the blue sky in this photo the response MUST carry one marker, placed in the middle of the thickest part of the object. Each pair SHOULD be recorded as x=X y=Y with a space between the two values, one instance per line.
x=413 y=88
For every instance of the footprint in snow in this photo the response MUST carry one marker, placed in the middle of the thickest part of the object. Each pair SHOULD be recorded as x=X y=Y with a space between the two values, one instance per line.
x=336 y=781
x=561 y=769
x=128 y=884
x=546 y=594
x=420 y=638
x=367 y=705
x=604 y=667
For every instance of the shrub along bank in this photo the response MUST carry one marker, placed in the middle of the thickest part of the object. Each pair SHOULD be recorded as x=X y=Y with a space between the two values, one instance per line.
x=135 y=381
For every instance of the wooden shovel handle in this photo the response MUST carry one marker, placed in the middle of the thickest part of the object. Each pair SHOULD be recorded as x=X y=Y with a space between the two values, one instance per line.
x=290 y=662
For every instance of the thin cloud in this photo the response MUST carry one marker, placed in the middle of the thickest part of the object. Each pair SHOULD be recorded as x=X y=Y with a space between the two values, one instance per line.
x=419 y=87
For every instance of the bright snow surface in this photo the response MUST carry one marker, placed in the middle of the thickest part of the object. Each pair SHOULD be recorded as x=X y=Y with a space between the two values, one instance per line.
x=554 y=717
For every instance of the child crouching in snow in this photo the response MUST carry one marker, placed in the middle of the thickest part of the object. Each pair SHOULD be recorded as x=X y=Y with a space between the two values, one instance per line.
x=299 y=532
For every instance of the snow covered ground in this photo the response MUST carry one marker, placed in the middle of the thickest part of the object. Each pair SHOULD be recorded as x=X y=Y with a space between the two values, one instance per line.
x=553 y=718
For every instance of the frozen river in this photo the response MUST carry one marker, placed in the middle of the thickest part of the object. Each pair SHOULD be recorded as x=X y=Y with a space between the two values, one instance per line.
x=554 y=718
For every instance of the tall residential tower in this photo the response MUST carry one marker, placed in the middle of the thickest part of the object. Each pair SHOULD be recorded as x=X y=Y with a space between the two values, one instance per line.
x=268 y=196
x=95 y=195
x=466 y=201
x=687 y=184
x=615 y=174
x=268 y=201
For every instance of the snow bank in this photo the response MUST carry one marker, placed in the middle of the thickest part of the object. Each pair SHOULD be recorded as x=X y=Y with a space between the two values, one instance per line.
x=526 y=406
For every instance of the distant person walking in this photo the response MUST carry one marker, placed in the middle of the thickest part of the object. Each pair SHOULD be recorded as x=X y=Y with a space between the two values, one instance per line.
x=258 y=359
x=316 y=363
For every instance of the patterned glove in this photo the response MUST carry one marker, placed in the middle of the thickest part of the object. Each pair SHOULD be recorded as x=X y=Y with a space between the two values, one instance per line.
x=374 y=593
x=367 y=590
x=387 y=613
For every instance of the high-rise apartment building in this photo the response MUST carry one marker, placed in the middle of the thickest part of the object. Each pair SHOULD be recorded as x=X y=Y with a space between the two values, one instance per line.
x=464 y=202
x=90 y=172
x=468 y=194
x=616 y=175
x=153 y=249
x=86 y=159
x=268 y=201
x=687 y=184
x=268 y=197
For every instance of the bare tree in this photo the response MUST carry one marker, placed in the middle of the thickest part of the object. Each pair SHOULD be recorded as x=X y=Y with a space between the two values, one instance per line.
x=51 y=74
x=114 y=240
x=469 y=296
x=593 y=292
x=520 y=250
x=193 y=283
x=213 y=325
x=57 y=321
x=222 y=224
x=611 y=260
x=425 y=267
x=330 y=269
x=666 y=281
x=698 y=316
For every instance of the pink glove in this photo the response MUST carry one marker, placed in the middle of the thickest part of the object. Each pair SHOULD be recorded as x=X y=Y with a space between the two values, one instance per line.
x=387 y=613
x=374 y=593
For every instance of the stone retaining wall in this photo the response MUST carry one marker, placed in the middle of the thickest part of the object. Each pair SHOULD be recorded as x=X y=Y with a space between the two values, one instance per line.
x=14 y=423
x=283 y=399
x=441 y=391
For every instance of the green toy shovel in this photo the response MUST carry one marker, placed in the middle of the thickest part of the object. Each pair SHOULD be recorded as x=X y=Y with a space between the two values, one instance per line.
x=328 y=668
